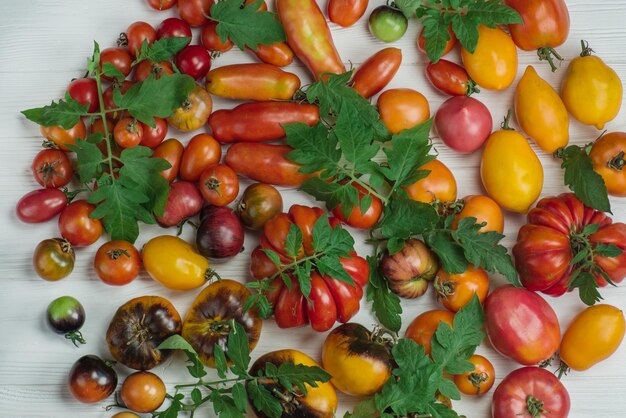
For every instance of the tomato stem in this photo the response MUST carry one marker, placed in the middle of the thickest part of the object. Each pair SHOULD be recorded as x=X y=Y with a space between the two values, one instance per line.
x=471 y=87
x=617 y=162
x=505 y=124
x=75 y=337
x=586 y=50
x=534 y=406
x=549 y=54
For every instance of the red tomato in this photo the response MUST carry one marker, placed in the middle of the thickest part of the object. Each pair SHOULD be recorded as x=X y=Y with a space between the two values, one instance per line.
x=201 y=152
x=161 y=4
x=210 y=39
x=219 y=184
x=194 y=60
x=194 y=11
x=421 y=42
x=77 y=227
x=376 y=72
x=463 y=123
x=530 y=392
x=346 y=12
x=119 y=57
x=85 y=91
x=98 y=127
x=183 y=201
x=526 y=331
x=278 y=54
x=173 y=28
x=136 y=34
x=63 y=137
x=422 y=329
x=40 y=205
x=357 y=218
x=51 y=168
x=152 y=137
x=171 y=151
x=145 y=68
x=117 y=262
x=109 y=103
x=450 y=78
x=128 y=133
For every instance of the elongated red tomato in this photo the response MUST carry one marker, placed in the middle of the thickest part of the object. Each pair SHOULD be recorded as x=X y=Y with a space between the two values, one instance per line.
x=40 y=205
x=252 y=82
x=375 y=73
x=266 y=163
x=278 y=54
x=309 y=37
x=346 y=12
x=262 y=121
x=450 y=78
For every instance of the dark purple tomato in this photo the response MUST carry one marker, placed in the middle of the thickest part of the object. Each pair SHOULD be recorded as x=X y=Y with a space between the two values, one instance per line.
x=40 y=205
x=220 y=234
x=173 y=28
x=66 y=315
x=194 y=60
x=183 y=201
x=85 y=91
x=91 y=379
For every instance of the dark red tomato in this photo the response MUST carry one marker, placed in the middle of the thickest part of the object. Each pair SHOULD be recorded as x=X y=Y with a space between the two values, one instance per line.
x=91 y=379
x=194 y=11
x=376 y=72
x=109 y=103
x=117 y=262
x=85 y=91
x=530 y=392
x=194 y=60
x=152 y=137
x=219 y=184
x=145 y=68
x=173 y=28
x=450 y=78
x=220 y=234
x=40 y=205
x=77 y=227
x=346 y=12
x=211 y=41
x=201 y=152
x=52 y=168
x=171 y=151
x=421 y=42
x=119 y=57
x=357 y=218
x=162 y=4
x=128 y=133
x=136 y=34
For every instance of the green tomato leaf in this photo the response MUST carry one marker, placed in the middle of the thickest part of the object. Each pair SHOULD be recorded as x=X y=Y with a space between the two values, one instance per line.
x=238 y=346
x=263 y=400
x=293 y=241
x=90 y=162
x=436 y=35
x=583 y=180
x=451 y=255
x=408 y=7
x=404 y=218
x=221 y=365
x=385 y=304
x=162 y=49
x=355 y=138
x=64 y=113
x=314 y=148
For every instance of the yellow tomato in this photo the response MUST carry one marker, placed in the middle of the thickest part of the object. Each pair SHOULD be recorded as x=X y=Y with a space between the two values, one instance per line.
x=591 y=90
x=439 y=185
x=493 y=65
x=174 y=263
x=593 y=336
x=510 y=170
x=541 y=112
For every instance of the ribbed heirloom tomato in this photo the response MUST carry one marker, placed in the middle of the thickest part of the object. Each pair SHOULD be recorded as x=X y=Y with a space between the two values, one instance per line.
x=194 y=111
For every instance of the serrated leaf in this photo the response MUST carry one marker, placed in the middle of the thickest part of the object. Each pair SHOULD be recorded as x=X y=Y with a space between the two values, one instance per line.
x=355 y=138
x=240 y=396
x=290 y=375
x=238 y=346
x=451 y=255
x=331 y=266
x=436 y=35
x=385 y=304
x=304 y=281
x=313 y=148
x=583 y=180
x=293 y=241
x=491 y=13
x=587 y=287
x=607 y=250
x=408 y=7
x=89 y=159
x=395 y=245
x=263 y=400
x=162 y=49
x=65 y=113
x=448 y=389
x=176 y=342
x=466 y=31
x=221 y=365
x=404 y=218
x=408 y=152
x=246 y=26
x=332 y=194
x=364 y=409
x=111 y=71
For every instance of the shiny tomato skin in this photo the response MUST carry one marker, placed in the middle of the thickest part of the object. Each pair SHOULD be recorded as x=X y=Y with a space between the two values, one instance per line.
x=119 y=57
x=174 y=28
x=162 y=4
x=85 y=91
x=77 y=227
x=183 y=201
x=512 y=396
x=545 y=23
x=211 y=40
x=605 y=155
x=128 y=133
x=194 y=111
x=91 y=380
x=201 y=152
x=63 y=137
x=439 y=185
x=142 y=392
x=454 y=291
x=409 y=270
x=357 y=218
x=137 y=33
x=259 y=203
x=402 y=109
x=421 y=42
x=109 y=102
x=53 y=259
x=117 y=262
x=449 y=78
x=171 y=150
x=531 y=343
x=278 y=54
x=52 y=169
x=40 y=205
x=424 y=326
x=387 y=23
x=145 y=68
x=219 y=184
x=259 y=82
x=376 y=72
x=194 y=60
x=346 y=12
x=322 y=312
x=194 y=11
x=463 y=123
x=478 y=381
x=152 y=137
x=484 y=209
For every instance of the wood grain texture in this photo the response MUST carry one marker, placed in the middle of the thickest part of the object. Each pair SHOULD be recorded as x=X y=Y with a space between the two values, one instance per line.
x=44 y=44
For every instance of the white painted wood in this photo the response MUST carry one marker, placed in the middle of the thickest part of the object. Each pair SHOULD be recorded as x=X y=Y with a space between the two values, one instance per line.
x=44 y=44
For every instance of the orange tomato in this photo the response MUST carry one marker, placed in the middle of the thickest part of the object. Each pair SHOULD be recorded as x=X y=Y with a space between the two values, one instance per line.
x=454 y=291
x=357 y=218
x=201 y=152
x=171 y=150
x=439 y=185
x=63 y=137
x=402 y=109
x=607 y=155
x=422 y=329
x=478 y=381
x=484 y=209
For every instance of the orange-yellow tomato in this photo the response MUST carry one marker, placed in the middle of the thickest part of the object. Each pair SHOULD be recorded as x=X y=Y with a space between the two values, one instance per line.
x=422 y=329
x=493 y=64
x=607 y=155
x=479 y=380
x=439 y=185
x=454 y=291
x=402 y=109
x=484 y=209
x=194 y=111
x=593 y=336
x=63 y=137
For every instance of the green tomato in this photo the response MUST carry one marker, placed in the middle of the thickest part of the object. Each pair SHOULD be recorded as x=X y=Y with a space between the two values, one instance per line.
x=387 y=23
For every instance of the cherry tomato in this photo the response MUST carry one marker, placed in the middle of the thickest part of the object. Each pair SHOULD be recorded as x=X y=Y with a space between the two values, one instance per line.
x=66 y=315
x=450 y=78
x=278 y=54
x=387 y=23
x=91 y=379
x=109 y=103
x=142 y=392
x=357 y=218
x=146 y=67
x=484 y=209
x=40 y=205
x=463 y=123
x=119 y=57
x=530 y=392
x=194 y=11
x=259 y=203
x=438 y=186
x=136 y=34
x=117 y=262
x=346 y=12
x=454 y=291
x=85 y=91
x=219 y=184
x=128 y=133
x=171 y=150
x=422 y=329
x=211 y=40
x=409 y=270
x=402 y=109
x=152 y=137
x=376 y=72
x=77 y=227
x=194 y=111
x=63 y=137
x=52 y=169
x=607 y=155
x=161 y=4
x=478 y=381
x=201 y=152
x=194 y=60
x=174 y=28
x=53 y=259
x=421 y=42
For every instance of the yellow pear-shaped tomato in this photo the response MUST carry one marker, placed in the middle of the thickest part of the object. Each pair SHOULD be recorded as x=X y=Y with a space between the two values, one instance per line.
x=174 y=263
x=493 y=64
x=591 y=90
x=593 y=336
x=510 y=170
x=541 y=112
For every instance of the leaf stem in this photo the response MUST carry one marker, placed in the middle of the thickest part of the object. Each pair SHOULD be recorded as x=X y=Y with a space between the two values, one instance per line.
x=103 y=113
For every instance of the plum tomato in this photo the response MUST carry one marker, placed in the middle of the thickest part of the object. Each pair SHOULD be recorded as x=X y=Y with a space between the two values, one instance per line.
x=52 y=168
x=117 y=262
x=142 y=392
x=171 y=150
x=91 y=379
x=53 y=259
x=201 y=152
x=66 y=315
x=152 y=137
x=40 y=205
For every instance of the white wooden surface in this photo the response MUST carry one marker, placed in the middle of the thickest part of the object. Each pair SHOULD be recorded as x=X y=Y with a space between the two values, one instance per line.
x=43 y=45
